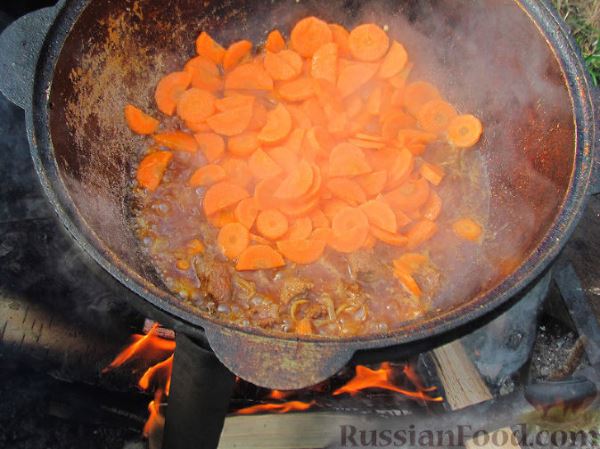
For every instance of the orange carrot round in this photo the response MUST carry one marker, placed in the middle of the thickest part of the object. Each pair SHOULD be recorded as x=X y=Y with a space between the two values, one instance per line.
x=246 y=212
x=259 y=257
x=207 y=175
x=420 y=232
x=409 y=196
x=464 y=131
x=297 y=90
x=435 y=116
x=341 y=37
x=380 y=214
x=249 y=77
x=433 y=207
x=169 y=89
x=237 y=171
x=394 y=62
x=208 y=48
x=354 y=76
x=301 y=251
x=275 y=42
x=278 y=127
x=195 y=105
x=417 y=94
x=205 y=74
x=350 y=228
x=140 y=122
x=348 y=160
x=235 y=53
x=177 y=140
x=243 y=144
x=347 y=190
x=232 y=122
x=324 y=63
x=390 y=238
x=262 y=165
x=297 y=183
x=308 y=35
x=211 y=144
x=368 y=42
x=373 y=183
x=432 y=173
x=233 y=239
x=271 y=224
x=222 y=195
x=467 y=229
x=152 y=168
x=301 y=228
x=234 y=102
x=284 y=65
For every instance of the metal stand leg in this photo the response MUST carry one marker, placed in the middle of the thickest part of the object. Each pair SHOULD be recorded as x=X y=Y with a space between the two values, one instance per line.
x=201 y=388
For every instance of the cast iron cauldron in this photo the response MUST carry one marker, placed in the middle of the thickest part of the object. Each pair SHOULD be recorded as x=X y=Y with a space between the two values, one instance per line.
x=72 y=67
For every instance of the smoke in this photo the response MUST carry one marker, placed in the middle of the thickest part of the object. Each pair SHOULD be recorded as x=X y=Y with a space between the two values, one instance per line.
x=487 y=58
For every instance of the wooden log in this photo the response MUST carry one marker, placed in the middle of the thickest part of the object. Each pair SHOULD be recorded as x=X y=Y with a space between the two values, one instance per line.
x=464 y=386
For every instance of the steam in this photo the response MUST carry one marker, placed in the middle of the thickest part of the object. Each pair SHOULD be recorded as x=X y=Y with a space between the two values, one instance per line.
x=486 y=58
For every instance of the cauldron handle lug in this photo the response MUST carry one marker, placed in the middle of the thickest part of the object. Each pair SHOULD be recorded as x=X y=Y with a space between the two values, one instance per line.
x=283 y=364
x=595 y=184
x=20 y=46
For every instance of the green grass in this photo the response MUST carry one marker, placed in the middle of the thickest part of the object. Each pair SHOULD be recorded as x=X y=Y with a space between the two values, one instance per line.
x=583 y=16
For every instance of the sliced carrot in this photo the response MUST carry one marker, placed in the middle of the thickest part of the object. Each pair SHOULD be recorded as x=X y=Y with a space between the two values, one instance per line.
x=433 y=207
x=464 y=131
x=237 y=171
x=410 y=196
x=233 y=239
x=235 y=53
x=380 y=214
x=374 y=101
x=140 y=122
x=353 y=105
x=338 y=125
x=402 y=218
x=373 y=183
x=301 y=251
x=320 y=140
x=341 y=37
x=324 y=63
x=432 y=173
x=205 y=74
x=299 y=208
x=347 y=160
x=295 y=140
x=284 y=157
x=308 y=35
x=368 y=144
x=231 y=122
x=350 y=228
x=271 y=224
x=207 y=175
x=177 y=140
x=249 y=77
x=394 y=62
x=234 y=102
x=467 y=229
x=322 y=234
x=390 y=238
x=314 y=111
x=278 y=127
x=259 y=257
x=259 y=239
x=347 y=190
x=297 y=90
x=354 y=76
x=221 y=218
x=259 y=117
x=284 y=65
x=297 y=182
x=197 y=127
x=263 y=193
x=414 y=140
x=152 y=168
x=399 y=81
x=368 y=42
x=275 y=42
x=420 y=232
x=410 y=262
x=246 y=212
x=300 y=229
x=169 y=89
x=417 y=94
x=222 y=195
x=207 y=47
x=394 y=122
x=315 y=188
x=319 y=219
x=300 y=119
x=400 y=169
x=408 y=282
x=262 y=165
x=195 y=105
x=211 y=144
x=435 y=116
x=243 y=144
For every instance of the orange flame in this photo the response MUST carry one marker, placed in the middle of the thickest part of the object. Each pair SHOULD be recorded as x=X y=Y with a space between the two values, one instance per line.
x=284 y=407
x=158 y=374
x=367 y=378
x=156 y=420
x=278 y=395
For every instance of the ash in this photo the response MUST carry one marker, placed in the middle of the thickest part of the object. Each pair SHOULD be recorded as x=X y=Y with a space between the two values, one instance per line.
x=552 y=350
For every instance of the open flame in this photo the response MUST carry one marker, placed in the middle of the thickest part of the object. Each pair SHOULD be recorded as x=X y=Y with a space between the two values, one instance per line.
x=283 y=407
x=158 y=376
x=367 y=378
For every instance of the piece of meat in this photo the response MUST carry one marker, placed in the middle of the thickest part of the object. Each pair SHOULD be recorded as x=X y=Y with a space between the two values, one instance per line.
x=365 y=267
x=214 y=277
x=293 y=287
